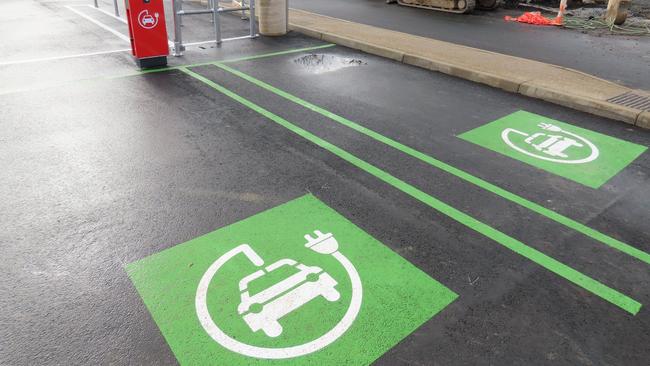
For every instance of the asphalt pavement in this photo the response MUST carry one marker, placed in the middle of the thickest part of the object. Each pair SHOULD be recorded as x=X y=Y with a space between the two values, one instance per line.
x=119 y=187
x=621 y=59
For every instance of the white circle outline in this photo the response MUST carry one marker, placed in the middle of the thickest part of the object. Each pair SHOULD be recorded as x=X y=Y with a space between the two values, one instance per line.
x=592 y=157
x=276 y=353
x=145 y=26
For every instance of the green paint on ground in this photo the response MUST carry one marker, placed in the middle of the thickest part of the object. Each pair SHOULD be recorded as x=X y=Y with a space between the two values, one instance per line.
x=280 y=53
x=238 y=59
x=162 y=69
x=349 y=268
x=581 y=155
x=512 y=197
x=621 y=300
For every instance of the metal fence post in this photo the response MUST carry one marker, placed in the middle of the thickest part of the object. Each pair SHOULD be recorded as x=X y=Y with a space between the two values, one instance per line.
x=180 y=7
x=287 y=10
x=96 y=5
x=251 y=17
x=178 y=37
x=215 y=10
x=243 y=12
x=216 y=20
x=117 y=10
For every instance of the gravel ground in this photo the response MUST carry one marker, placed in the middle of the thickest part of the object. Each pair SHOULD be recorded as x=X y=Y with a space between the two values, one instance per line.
x=641 y=8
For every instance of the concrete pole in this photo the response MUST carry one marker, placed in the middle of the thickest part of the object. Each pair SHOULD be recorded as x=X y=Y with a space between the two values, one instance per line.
x=617 y=11
x=562 y=10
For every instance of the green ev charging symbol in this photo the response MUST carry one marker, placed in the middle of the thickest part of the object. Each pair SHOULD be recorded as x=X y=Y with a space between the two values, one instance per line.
x=551 y=143
x=264 y=309
x=576 y=153
x=297 y=284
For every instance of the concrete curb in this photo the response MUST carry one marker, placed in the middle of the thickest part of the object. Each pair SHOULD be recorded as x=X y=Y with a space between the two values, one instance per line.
x=552 y=83
x=643 y=120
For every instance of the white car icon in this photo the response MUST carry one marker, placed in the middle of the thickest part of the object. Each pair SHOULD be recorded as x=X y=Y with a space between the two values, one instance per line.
x=148 y=20
x=264 y=309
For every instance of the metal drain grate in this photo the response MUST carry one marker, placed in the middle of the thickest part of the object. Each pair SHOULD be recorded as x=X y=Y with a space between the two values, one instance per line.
x=632 y=100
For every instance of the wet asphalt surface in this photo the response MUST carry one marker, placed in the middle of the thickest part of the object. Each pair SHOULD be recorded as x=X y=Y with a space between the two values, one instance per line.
x=622 y=59
x=100 y=169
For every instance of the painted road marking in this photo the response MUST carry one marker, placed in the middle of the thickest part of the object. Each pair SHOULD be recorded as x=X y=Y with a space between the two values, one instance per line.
x=99 y=24
x=149 y=71
x=298 y=282
x=554 y=144
x=621 y=300
x=575 y=153
x=56 y=58
x=244 y=58
x=106 y=12
x=512 y=197
x=213 y=41
x=120 y=35
x=171 y=44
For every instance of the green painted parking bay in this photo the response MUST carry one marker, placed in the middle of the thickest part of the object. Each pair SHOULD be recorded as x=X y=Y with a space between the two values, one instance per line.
x=297 y=283
x=93 y=183
x=584 y=156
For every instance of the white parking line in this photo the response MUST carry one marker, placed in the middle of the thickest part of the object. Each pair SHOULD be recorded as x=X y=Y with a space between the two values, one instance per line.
x=107 y=13
x=169 y=42
x=100 y=24
x=214 y=41
x=105 y=27
x=54 y=58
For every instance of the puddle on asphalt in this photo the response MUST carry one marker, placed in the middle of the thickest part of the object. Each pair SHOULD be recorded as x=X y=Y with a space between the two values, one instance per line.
x=322 y=63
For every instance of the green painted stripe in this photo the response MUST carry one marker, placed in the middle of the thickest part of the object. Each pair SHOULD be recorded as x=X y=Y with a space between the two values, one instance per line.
x=281 y=53
x=142 y=72
x=594 y=234
x=624 y=302
x=246 y=58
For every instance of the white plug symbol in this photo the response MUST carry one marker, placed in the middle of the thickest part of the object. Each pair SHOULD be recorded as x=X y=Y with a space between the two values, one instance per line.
x=549 y=127
x=322 y=243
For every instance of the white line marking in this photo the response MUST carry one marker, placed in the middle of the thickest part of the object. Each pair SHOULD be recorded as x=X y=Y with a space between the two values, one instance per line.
x=199 y=43
x=100 y=24
x=106 y=12
x=54 y=58
x=214 y=41
x=169 y=42
x=236 y=38
x=104 y=26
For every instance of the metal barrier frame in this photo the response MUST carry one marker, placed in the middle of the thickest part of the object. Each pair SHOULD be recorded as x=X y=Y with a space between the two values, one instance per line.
x=215 y=10
x=117 y=10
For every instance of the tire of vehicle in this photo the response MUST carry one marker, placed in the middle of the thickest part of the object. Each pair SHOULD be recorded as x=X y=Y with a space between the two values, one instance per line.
x=488 y=4
x=448 y=6
x=469 y=7
x=510 y=4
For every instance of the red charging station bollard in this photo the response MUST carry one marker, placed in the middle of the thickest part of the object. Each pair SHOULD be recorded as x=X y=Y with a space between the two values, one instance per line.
x=148 y=32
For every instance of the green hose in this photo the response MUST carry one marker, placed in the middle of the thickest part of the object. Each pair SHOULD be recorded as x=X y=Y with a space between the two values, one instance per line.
x=629 y=29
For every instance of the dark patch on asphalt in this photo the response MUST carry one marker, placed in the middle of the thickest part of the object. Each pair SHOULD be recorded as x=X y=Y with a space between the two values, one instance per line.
x=319 y=63
x=487 y=30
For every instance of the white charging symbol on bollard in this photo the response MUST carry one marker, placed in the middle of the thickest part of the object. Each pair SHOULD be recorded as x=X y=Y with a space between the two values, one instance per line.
x=146 y=20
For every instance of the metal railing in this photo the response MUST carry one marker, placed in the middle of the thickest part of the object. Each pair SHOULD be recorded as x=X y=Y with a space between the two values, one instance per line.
x=212 y=8
x=115 y=6
x=215 y=10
